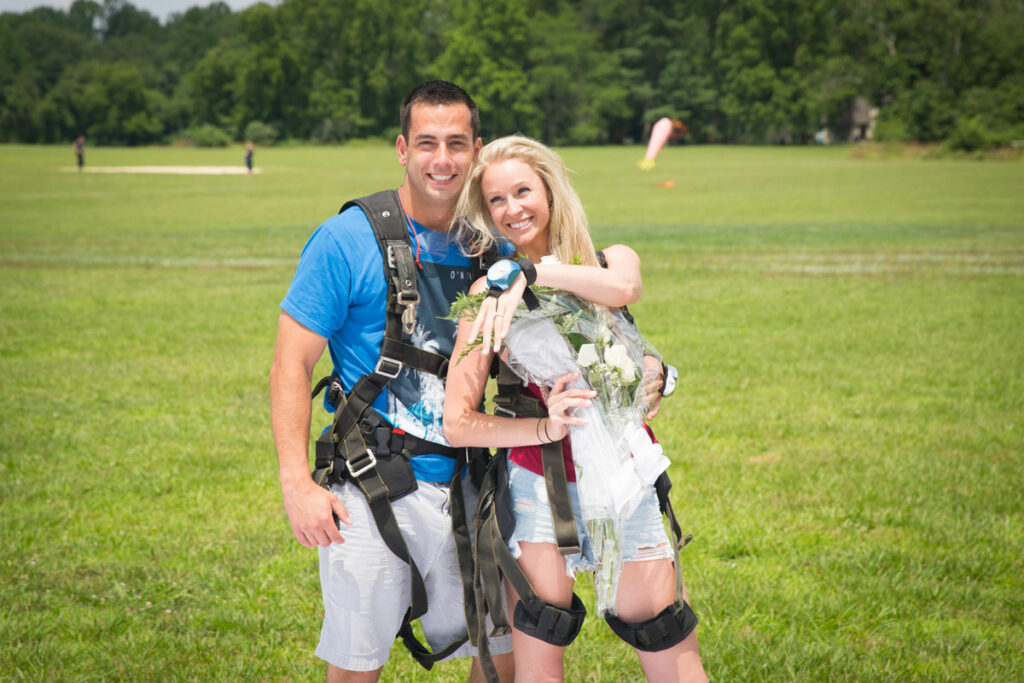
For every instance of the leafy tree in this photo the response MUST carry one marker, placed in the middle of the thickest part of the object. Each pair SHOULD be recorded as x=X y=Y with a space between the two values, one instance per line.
x=85 y=16
x=211 y=88
x=568 y=71
x=108 y=102
x=485 y=53
x=120 y=18
x=191 y=34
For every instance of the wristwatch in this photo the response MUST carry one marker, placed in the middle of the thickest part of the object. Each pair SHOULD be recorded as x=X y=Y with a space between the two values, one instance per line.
x=669 y=377
x=502 y=274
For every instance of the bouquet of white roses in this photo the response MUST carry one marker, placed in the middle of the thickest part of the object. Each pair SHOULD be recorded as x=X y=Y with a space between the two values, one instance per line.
x=615 y=460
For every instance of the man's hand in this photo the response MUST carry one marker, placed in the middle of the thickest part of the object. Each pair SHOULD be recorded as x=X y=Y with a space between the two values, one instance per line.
x=495 y=316
x=311 y=511
x=652 y=382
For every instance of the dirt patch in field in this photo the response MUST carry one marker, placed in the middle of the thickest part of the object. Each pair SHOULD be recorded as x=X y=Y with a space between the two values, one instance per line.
x=167 y=170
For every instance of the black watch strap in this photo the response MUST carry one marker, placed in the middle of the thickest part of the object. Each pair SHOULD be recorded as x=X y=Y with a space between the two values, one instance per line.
x=529 y=270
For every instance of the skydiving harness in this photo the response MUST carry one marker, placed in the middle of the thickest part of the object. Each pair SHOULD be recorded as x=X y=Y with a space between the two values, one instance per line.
x=363 y=447
x=495 y=522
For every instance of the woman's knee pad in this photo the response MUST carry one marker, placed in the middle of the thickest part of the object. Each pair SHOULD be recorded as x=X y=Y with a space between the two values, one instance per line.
x=550 y=623
x=669 y=627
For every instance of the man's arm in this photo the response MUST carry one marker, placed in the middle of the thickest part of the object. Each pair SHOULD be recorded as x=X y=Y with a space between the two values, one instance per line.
x=309 y=507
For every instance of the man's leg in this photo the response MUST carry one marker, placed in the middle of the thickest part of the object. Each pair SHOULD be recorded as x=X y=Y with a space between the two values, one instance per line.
x=336 y=675
x=503 y=663
x=365 y=590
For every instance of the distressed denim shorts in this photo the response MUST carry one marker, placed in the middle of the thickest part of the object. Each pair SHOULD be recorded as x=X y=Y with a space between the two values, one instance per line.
x=643 y=539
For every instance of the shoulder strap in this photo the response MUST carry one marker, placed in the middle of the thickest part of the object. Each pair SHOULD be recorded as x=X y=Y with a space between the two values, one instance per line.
x=388 y=220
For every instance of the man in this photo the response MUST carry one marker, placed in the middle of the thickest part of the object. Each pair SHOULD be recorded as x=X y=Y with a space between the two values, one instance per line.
x=337 y=300
x=79 y=147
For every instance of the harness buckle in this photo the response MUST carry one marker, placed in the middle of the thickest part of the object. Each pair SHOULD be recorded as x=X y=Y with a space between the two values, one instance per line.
x=363 y=466
x=504 y=412
x=409 y=316
x=409 y=298
x=380 y=370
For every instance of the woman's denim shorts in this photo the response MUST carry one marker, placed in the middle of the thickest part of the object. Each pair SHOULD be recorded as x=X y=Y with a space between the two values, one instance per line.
x=643 y=538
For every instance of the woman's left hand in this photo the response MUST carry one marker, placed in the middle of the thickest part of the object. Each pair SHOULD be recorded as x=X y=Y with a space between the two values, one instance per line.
x=495 y=316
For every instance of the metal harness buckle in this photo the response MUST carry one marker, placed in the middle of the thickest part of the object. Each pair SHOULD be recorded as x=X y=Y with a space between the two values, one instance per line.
x=370 y=464
x=499 y=410
x=398 y=365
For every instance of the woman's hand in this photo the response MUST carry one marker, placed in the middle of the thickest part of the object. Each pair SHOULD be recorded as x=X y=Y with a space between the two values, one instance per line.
x=560 y=401
x=495 y=316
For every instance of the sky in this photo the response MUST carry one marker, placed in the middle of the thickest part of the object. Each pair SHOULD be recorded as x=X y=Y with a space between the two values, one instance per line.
x=161 y=9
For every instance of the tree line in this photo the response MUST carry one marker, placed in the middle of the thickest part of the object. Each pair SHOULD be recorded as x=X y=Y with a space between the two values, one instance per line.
x=564 y=71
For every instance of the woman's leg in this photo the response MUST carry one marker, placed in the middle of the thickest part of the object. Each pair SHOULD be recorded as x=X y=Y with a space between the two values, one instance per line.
x=544 y=566
x=645 y=589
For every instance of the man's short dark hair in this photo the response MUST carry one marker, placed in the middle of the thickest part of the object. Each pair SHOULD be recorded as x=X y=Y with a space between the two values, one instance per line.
x=439 y=92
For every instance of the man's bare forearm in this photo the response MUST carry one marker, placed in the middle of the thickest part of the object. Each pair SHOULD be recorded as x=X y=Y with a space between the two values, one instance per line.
x=290 y=414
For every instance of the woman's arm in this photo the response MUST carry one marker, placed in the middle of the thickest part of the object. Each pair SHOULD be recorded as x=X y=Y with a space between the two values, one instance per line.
x=617 y=285
x=465 y=425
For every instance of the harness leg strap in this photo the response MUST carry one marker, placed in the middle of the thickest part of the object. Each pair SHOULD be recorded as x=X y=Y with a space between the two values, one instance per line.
x=562 y=516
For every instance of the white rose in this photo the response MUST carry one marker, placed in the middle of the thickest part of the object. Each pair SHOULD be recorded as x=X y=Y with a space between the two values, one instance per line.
x=618 y=358
x=587 y=356
x=550 y=259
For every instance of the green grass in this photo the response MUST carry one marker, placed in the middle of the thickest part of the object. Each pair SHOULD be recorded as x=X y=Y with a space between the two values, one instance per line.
x=848 y=440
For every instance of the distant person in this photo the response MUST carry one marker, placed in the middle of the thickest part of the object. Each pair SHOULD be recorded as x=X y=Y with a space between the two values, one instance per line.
x=661 y=132
x=79 y=148
x=248 y=155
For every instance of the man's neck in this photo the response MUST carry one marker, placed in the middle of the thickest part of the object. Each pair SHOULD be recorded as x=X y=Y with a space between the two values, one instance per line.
x=435 y=217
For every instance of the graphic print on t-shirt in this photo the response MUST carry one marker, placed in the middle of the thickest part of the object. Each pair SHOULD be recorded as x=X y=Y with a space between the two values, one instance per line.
x=416 y=399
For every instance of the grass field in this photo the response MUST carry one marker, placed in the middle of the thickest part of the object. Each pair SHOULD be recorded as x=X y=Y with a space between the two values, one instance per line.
x=848 y=436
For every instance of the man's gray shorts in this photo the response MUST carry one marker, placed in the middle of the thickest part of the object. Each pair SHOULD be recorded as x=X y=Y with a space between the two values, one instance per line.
x=366 y=589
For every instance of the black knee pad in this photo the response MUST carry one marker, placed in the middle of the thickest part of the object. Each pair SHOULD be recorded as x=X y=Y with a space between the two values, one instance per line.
x=669 y=627
x=555 y=625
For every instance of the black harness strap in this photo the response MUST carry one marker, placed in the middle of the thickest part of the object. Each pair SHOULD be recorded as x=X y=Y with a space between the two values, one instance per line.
x=602 y=260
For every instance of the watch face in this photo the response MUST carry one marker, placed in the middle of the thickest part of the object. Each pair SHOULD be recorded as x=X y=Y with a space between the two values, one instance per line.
x=502 y=274
x=670 y=380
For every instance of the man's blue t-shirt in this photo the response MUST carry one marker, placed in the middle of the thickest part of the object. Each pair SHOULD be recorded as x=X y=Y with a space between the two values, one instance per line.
x=339 y=292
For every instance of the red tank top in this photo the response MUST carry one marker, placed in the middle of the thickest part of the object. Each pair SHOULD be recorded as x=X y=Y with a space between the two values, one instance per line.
x=529 y=456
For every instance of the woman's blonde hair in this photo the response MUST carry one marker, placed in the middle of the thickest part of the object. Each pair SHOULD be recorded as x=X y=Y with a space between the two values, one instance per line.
x=568 y=236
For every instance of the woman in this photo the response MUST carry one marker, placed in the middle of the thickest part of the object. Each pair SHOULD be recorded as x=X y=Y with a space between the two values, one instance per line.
x=520 y=190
